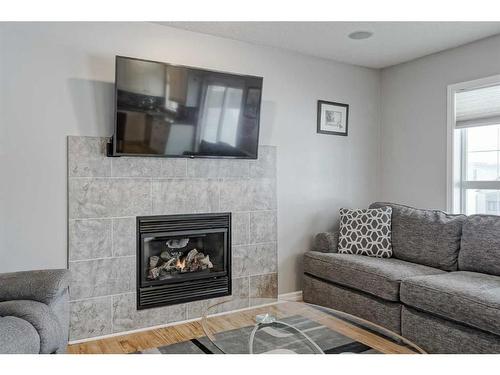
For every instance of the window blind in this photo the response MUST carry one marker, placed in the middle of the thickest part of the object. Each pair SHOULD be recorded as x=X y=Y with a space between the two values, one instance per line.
x=478 y=107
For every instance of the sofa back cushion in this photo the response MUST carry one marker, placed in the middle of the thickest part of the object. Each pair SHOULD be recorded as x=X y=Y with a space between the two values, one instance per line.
x=480 y=247
x=428 y=237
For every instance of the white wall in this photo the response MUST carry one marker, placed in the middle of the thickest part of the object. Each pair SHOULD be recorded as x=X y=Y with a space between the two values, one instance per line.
x=57 y=80
x=413 y=130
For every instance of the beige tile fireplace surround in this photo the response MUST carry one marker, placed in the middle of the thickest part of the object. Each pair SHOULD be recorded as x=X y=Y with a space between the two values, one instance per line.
x=106 y=194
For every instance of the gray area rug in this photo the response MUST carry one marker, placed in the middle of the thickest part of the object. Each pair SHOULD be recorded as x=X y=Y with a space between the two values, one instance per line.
x=268 y=339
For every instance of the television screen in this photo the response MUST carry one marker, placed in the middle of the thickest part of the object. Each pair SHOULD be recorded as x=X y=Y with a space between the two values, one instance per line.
x=177 y=111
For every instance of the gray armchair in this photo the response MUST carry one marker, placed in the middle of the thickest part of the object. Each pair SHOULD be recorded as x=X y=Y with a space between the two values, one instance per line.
x=34 y=311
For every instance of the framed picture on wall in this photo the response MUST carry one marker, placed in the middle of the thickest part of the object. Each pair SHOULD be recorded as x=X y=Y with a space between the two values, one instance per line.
x=332 y=118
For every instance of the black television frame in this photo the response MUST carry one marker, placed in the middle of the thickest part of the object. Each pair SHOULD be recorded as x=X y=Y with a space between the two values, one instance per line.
x=111 y=146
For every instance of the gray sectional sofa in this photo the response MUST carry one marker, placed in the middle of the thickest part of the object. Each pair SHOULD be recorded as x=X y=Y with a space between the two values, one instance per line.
x=441 y=288
x=34 y=312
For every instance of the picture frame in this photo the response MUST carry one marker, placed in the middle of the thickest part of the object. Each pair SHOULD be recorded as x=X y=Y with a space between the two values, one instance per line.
x=333 y=118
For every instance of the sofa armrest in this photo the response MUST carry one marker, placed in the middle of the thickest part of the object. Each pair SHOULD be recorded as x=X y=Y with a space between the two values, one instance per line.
x=326 y=242
x=43 y=286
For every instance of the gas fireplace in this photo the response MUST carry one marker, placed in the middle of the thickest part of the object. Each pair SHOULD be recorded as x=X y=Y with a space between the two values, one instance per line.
x=182 y=258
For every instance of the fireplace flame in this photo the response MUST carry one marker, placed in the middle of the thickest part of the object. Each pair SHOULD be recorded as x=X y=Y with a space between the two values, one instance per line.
x=180 y=265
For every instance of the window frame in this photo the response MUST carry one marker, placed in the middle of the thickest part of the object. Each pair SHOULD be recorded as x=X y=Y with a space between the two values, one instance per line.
x=456 y=186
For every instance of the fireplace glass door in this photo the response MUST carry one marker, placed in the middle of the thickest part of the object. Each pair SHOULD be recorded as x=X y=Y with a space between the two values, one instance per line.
x=178 y=256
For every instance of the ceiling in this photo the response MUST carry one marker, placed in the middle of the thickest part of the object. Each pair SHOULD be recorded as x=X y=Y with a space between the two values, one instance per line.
x=392 y=42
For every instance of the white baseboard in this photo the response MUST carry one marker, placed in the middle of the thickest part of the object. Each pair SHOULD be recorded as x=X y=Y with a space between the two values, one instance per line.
x=71 y=342
x=293 y=296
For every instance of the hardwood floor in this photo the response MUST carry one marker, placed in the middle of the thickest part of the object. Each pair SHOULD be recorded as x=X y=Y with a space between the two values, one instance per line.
x=133 y=342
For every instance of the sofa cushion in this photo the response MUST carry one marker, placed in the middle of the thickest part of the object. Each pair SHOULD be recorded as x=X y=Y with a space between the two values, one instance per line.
x=40 y=316
x=428 y=237
x=480 y=246
x=377 y=276
x=466 y=297
x=365 y=232
x=17 y=336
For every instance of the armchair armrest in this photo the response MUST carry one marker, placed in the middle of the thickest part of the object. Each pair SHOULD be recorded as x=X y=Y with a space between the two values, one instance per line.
x=43 y=286
x=326 y=242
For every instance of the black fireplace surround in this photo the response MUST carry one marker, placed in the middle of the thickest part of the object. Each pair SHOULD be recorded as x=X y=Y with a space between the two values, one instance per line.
x=182 y=258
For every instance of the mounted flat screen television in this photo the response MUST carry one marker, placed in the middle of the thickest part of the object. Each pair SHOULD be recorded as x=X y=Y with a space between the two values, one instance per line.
x=177 y=111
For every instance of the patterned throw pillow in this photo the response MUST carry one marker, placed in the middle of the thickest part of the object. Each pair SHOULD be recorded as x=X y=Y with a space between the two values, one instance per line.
x=366 y=232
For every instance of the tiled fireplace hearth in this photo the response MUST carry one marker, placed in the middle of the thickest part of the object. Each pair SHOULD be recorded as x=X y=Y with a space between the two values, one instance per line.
x=105 y=197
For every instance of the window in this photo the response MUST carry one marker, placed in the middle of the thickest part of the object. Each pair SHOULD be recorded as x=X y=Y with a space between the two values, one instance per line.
x=474 y=147
x=221 y=114
x=492 y=206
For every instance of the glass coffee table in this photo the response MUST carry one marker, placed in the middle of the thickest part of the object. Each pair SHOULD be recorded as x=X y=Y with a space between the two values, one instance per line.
x=278 y=326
